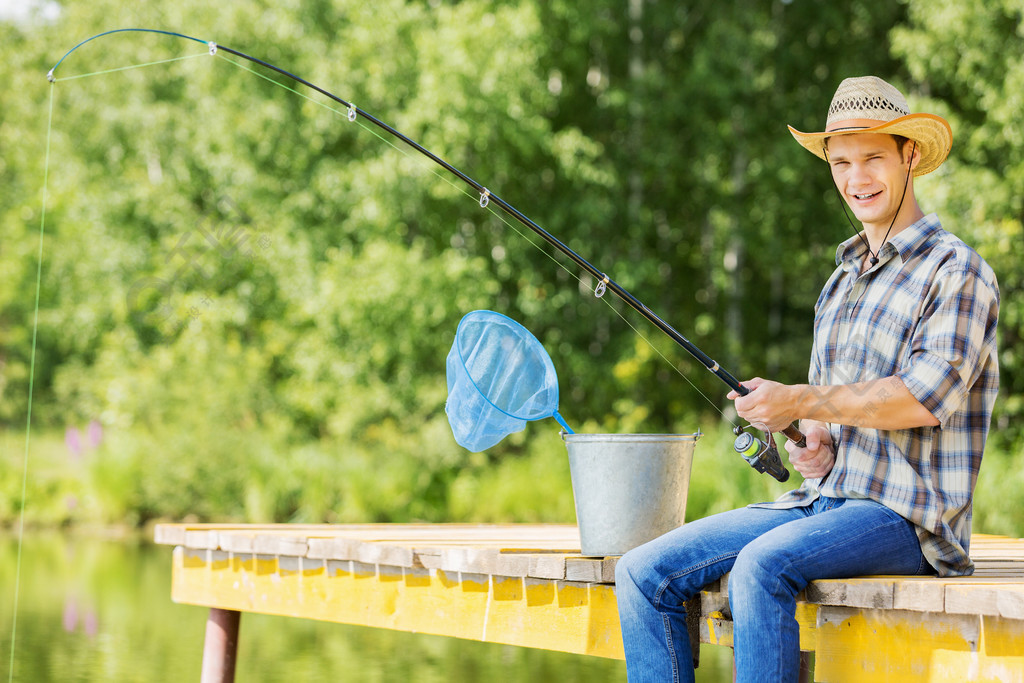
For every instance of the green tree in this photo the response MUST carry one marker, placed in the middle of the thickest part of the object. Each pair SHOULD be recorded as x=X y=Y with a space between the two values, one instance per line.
x=232 y=271
x=701 y=204
x=968 y=59
x=256 y=296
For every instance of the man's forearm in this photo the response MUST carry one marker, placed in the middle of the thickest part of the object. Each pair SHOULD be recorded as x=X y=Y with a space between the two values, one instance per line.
x=884 y=403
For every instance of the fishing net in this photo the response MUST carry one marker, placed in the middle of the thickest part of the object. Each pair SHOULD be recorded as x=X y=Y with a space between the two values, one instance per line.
x=499 y=378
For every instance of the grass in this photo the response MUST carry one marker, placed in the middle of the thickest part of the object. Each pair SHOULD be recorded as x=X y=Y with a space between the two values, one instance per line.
x=134 y=478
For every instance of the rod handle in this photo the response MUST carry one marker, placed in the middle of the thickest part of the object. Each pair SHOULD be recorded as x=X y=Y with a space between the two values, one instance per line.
x=795 y=435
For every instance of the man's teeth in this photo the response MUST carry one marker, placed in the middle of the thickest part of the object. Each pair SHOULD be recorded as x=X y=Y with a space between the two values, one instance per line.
x=865 y=196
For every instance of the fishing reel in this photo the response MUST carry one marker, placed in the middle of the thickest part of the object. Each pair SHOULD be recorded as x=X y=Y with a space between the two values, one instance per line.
x=763 y=456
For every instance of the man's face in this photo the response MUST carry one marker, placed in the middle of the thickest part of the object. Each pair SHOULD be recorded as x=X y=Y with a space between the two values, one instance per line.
x=870 y=173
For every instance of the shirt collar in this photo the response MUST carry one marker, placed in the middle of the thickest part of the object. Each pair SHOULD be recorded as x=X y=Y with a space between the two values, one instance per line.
x=905 y=243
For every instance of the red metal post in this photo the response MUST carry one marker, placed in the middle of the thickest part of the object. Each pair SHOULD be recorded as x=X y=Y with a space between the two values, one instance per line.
x=221 y=646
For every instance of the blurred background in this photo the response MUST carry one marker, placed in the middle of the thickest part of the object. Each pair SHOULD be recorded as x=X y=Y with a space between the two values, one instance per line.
x=246 y=300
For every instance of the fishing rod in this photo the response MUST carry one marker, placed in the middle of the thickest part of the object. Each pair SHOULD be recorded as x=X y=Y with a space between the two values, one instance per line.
x=761 y=455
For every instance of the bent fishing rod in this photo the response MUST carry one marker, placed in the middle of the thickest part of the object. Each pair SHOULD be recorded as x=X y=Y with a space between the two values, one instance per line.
x=761 y=455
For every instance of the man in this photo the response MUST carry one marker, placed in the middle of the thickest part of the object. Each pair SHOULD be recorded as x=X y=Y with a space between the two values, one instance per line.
x=902 y=378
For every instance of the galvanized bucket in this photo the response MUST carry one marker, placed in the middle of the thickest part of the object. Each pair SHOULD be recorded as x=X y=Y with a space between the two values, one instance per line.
x=629 y=488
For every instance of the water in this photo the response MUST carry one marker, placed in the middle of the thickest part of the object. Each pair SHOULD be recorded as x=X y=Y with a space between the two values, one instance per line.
x=98 y=609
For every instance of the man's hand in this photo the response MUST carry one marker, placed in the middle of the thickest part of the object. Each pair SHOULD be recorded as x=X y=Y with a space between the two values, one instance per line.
x=767 y=405
x=818 y=458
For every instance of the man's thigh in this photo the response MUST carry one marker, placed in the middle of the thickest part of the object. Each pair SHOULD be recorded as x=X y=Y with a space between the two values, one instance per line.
x=855 y=538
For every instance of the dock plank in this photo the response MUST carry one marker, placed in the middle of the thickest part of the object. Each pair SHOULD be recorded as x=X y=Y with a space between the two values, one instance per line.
x=988 y=599
x=529 y=585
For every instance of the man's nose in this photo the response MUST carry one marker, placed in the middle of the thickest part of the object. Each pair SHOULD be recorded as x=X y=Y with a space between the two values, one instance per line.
x=859 y=174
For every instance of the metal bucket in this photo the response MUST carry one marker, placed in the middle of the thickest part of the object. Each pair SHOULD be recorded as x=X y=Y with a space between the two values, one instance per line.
x=629 y=488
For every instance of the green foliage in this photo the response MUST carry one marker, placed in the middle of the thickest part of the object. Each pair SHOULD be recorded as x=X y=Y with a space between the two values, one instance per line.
x=535 y=487
x=997 y=509
x=255 y=297
x=706 y=209
x=968 y=58
x=55 y=489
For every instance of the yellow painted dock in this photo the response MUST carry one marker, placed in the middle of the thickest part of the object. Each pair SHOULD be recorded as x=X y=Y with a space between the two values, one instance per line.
x=528 y=585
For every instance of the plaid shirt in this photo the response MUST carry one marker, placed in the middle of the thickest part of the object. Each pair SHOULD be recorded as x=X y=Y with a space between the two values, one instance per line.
x=925 y=314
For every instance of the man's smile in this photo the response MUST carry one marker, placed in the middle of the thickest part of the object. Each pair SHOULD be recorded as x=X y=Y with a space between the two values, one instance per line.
x=867 y=196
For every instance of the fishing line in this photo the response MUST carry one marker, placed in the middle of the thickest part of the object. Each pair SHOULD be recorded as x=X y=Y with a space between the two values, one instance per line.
x=485 y=199
x=500 y=216
x=54 y=79
x=609 y=304
x=35 y=316
x=354 y=114
x=31 y=387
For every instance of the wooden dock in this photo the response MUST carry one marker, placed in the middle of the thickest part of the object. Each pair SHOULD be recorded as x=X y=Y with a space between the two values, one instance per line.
x=528 y=585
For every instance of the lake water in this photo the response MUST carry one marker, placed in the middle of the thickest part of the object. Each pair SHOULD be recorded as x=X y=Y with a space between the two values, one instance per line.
x=96 y=609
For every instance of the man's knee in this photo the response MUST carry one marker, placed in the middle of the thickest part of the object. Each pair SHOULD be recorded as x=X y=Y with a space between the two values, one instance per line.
x=622 y=569
x=628 y=570
x=752 y=564
x=764 y=569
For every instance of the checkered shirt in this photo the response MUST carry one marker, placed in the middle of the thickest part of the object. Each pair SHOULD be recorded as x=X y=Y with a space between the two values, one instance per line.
x=925 y=314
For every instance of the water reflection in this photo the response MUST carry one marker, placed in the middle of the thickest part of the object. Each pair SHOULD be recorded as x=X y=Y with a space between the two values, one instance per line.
x=95 y=609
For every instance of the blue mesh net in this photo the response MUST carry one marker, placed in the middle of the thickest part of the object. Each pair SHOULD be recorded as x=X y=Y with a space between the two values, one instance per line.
x=499 y=378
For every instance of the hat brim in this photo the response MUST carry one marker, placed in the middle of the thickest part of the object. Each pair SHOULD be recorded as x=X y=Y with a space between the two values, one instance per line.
x=932 y=134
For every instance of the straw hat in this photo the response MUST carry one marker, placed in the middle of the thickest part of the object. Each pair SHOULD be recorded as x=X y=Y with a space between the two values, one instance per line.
x=868 y=104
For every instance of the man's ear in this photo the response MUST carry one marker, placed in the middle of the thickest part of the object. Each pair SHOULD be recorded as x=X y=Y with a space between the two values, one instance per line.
x=915 y=154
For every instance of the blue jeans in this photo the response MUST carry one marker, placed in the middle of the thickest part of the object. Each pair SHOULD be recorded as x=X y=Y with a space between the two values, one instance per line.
x=772 y=554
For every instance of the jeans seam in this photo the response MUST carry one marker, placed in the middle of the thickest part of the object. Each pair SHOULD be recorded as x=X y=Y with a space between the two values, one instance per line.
x=689 y=570
x=781 y=664
x=666 y=623
x=671 y=648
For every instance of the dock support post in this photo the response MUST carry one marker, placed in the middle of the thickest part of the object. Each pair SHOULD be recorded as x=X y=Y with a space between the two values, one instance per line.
x=221 y=646
x=806 y=667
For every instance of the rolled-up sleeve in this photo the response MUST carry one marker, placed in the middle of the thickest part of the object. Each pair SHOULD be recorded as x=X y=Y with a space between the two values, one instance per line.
x=954 y=338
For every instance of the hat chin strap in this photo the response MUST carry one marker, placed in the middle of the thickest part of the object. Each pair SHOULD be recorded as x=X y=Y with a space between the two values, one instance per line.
x=842 y=202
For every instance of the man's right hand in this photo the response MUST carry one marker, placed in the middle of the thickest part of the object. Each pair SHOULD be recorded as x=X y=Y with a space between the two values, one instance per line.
x=818 y=458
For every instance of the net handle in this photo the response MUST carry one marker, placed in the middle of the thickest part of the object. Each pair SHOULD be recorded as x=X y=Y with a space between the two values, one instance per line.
x=561 y=421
